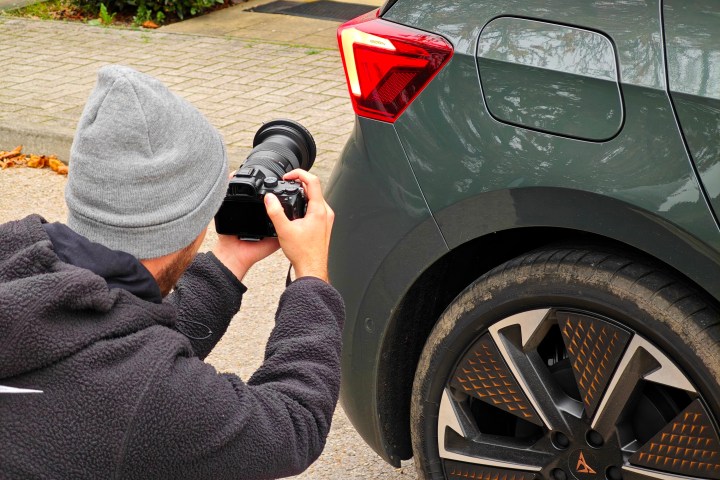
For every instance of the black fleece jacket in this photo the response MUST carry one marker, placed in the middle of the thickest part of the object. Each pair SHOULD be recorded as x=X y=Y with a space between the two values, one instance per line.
x=124 y=394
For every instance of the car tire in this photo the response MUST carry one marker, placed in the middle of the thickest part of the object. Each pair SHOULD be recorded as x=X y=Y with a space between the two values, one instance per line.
x=570 y=362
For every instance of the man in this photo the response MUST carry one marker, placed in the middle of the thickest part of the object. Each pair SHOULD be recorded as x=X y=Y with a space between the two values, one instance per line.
x=102 y=367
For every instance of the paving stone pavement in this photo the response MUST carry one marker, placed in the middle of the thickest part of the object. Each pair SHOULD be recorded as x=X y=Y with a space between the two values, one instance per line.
x=240 y=21
x=48 y=70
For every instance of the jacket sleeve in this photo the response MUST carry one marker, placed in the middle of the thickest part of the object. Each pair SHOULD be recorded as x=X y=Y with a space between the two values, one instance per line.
x=207 y=297
x=195 y=423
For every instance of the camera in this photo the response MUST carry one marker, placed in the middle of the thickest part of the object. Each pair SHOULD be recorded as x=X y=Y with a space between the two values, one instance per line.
x=279 y=146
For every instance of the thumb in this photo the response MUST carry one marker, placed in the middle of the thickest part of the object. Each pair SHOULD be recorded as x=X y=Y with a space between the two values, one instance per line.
x=275 y=211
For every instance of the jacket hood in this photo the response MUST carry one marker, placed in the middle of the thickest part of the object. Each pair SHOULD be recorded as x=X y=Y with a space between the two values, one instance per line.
x=50 y=310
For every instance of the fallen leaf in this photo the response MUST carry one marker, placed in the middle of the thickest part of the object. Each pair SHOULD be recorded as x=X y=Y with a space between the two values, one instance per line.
x=13 y=153
x=57 y=166
x=36 y=161
x=15 y=158
x=150 y=24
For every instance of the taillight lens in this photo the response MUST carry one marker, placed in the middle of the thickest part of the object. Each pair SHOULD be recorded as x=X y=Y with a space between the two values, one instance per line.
x=387 y=65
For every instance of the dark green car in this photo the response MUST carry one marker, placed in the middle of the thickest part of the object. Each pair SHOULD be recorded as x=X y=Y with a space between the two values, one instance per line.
x=527 y=237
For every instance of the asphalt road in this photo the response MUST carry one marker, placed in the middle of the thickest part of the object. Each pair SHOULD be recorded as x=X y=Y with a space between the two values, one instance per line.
x=346 y=456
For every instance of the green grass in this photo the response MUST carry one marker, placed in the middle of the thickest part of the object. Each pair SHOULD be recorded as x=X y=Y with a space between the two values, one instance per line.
x=42 y=10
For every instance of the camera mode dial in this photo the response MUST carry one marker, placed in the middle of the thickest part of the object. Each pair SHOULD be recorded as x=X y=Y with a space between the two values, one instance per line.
x=270 y=182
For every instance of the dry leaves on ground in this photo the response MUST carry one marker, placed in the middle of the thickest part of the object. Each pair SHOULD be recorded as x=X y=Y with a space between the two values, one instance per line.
x=15 y=158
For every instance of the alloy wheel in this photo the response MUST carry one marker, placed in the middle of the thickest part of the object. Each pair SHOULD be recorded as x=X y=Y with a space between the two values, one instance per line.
x=567 y=394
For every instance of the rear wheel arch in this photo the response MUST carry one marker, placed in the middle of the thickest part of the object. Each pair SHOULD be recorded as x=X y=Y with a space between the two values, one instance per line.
x=424 y=303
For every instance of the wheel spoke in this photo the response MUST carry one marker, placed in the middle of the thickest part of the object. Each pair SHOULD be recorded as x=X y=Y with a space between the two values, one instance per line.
x=449 y=417
x=595 y=348
x=484 y=374
x=455 y=443
x=516 y=338
x=463 y=471
x=636 y=473
x=688 y=445
x=641 y=361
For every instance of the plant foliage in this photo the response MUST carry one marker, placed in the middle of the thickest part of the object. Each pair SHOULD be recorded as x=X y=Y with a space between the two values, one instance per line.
x=105 y=16
x=144 y=10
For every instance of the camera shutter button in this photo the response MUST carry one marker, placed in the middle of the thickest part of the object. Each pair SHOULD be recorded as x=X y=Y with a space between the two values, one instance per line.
x=291 y=188
x=270 y=182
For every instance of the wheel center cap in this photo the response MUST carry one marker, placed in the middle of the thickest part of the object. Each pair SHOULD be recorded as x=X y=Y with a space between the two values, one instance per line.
x=585 y=465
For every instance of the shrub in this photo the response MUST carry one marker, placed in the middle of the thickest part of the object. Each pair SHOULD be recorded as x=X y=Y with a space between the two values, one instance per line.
x=151 y=9
x=143 y=15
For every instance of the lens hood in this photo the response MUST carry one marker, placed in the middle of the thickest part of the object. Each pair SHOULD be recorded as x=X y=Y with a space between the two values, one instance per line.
x=302 y=144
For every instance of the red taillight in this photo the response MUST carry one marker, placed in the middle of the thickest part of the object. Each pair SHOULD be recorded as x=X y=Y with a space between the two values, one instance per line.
x=387 y=65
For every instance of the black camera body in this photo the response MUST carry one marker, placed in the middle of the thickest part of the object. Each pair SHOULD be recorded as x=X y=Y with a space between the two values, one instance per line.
x=279 y=147
x=243 y=210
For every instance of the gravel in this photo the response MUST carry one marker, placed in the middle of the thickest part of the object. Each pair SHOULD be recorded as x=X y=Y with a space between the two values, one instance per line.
x=24 y=191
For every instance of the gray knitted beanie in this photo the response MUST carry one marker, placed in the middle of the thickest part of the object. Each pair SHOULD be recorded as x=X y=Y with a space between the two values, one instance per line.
x=147 y=171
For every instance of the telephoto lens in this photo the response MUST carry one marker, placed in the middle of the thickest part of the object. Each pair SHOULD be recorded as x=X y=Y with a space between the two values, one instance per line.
x=279 y=146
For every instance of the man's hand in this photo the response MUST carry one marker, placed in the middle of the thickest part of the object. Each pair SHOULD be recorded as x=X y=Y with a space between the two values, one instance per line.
x=305 y=241
x=239 y=255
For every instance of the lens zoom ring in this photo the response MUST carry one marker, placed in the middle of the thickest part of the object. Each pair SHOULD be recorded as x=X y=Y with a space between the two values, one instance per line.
x=281 y=150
